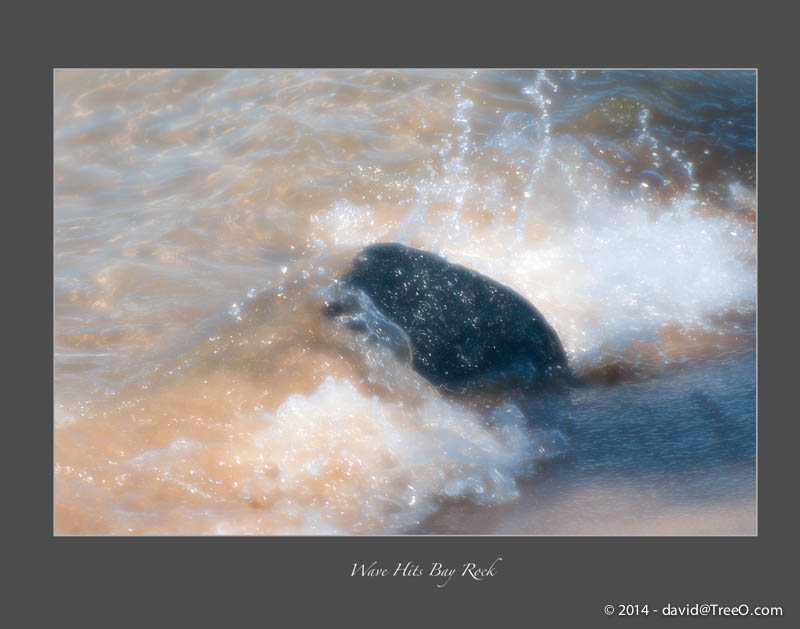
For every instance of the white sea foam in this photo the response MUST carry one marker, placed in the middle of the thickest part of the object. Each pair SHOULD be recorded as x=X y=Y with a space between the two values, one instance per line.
x=349 y=462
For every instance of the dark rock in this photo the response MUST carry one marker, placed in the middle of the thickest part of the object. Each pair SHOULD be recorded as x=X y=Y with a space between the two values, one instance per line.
x=465 y=330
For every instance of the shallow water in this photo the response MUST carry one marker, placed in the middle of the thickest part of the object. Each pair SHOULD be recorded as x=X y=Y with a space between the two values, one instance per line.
x=202 y=216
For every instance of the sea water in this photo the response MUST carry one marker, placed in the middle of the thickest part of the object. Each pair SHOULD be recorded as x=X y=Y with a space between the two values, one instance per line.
x=200 y=216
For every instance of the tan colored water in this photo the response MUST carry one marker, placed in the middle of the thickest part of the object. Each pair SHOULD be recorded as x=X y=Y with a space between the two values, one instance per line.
x=201 y=215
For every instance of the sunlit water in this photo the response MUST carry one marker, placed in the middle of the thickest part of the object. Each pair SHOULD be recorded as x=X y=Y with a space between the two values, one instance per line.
x=200 y=217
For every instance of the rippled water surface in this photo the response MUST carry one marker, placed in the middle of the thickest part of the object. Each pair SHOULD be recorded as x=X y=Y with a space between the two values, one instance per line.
x=200 y=217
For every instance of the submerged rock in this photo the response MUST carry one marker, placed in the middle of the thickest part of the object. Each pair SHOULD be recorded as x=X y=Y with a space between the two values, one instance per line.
x=464 y=330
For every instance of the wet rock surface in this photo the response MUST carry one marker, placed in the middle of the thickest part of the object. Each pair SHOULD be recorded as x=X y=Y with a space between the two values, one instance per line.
x=466 y=331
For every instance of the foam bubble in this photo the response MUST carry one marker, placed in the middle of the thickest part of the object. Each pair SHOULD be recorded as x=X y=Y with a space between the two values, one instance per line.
x=355 y=463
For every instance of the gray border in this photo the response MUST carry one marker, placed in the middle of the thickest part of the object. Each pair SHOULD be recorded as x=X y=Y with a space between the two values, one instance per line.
x=228 y=581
